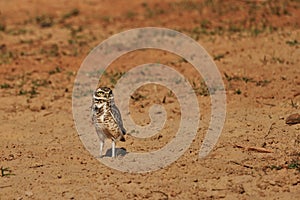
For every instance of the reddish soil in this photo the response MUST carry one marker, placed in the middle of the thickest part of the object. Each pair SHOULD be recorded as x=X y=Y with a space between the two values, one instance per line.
x=256 y=46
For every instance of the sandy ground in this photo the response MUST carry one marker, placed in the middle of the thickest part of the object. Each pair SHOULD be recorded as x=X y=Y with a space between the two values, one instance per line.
x=255 y=45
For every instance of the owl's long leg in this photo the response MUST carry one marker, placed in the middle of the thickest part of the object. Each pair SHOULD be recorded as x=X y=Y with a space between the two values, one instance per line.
x=113 y=146
x=101 y=147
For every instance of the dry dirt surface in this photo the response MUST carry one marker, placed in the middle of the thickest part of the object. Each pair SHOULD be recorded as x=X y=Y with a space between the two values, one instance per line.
x=256 y=46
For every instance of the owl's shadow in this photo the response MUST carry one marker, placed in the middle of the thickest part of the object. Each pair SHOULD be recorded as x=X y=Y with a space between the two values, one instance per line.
x=119 y=152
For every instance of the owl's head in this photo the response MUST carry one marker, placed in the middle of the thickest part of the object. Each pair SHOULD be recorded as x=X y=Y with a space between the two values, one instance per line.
x=103 y=94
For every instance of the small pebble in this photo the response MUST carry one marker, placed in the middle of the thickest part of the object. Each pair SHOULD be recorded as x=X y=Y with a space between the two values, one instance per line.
x=293 y=119
x=28 y=193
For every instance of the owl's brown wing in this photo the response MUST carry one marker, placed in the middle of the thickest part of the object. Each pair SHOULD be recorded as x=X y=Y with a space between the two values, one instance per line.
x=117 y=117
x=106 y=129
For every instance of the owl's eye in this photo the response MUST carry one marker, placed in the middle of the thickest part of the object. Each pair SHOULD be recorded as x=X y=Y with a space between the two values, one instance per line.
x=99 y=92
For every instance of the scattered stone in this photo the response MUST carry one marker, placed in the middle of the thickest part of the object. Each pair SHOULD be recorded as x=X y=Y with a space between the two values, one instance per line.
x=35 y=108
x=28 y=193
x=43 y=107
x=293 y=119
x=272 y=182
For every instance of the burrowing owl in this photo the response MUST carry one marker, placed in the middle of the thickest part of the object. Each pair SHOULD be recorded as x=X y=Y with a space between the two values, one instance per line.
x=107 y=118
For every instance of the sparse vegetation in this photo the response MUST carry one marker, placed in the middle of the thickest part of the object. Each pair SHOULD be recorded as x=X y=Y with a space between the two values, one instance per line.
x=152 y=12
x=277 y=60
x=5 y=86
x=107 y=19
x=32 y=92
x=78 y=39
x=52 y=50
x=6 y=172
x=292 y=42
x=137 y=96
x=56 y=70
x=294 y=104
x=219 y=56
x=275 y=167
x=200 y=89
x=75 y=31
x=130 y=14
x=262 y=83
x=113 y=77
x=274 y=59
x=40 y=82
x=247 y=80
x=238 y=78
x=2 y=27
x=293 y=164
x=255 y=22
x=17 y=31
x=72 y=13
x=44 y=21
x=6 y=56
x=29 y=41
x=185 y=5
x=238 y=92
x=234 y=28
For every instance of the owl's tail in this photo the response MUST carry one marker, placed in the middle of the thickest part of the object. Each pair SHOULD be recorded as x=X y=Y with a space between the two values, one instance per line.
x=122 y=139
x=123 y=130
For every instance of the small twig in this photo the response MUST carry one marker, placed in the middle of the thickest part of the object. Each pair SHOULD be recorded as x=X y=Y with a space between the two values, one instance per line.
x=46 y=114
x=257 y=149
x=267 y=104
x=269 y=130
x=36 y=166
x=161 y=192
x=164 y=99
x=243 y=165
x=296 y=94
x=5 y=186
